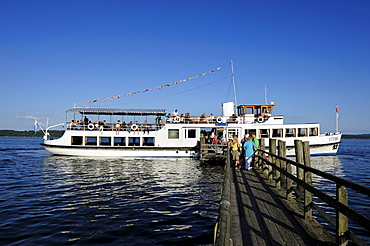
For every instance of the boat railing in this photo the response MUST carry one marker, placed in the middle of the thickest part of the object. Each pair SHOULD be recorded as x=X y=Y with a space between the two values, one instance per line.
x=204 y=120
x=122 y=126
x=114 y=127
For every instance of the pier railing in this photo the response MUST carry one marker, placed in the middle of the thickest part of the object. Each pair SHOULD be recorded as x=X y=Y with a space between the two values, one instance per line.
x=223 y=225
x=298 y=185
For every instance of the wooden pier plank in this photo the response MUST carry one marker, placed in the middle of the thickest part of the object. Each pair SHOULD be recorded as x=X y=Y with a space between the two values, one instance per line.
x=263 y=219
x=277 y=218
x=253 y=231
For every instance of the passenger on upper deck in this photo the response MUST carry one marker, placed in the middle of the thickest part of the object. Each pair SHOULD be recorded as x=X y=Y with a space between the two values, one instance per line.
x=187 y=117
x=86 y=121
x=168 y=118
x=233 y=118
x=135 y=127
x=123 y=125
x=211 y=118
x=73 y=125
x=175 y=113
x=146 y=126
x=118 y=126
x=105 y=124
x=158 y=122
x=78 y=125
x=203 y=117
x=128 y=126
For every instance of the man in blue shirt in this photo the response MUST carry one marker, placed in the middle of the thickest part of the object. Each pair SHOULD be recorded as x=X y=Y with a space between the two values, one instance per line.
x=249 y=152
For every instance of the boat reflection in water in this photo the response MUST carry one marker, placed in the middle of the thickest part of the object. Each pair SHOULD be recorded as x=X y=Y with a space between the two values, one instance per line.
x=136 y=200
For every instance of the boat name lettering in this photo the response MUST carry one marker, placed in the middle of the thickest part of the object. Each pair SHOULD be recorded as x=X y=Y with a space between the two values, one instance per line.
x=332 y=139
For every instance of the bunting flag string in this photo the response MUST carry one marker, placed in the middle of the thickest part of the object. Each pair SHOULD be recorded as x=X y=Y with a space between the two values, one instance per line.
x=159 y=87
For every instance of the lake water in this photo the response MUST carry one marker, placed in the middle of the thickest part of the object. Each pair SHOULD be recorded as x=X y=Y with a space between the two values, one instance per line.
x=54 y=200
x=57 y=200
x=352 y=163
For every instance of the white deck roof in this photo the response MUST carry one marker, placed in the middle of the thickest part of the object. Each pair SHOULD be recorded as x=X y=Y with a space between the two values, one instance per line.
x=117 y=111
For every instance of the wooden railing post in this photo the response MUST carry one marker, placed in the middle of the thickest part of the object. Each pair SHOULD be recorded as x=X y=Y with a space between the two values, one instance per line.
x=272 y=150
x=342 y=220
x=261 y=159
x=289 y=182
x=281 y=146
x=308 y=180
x=283 y=163
x=299 y=158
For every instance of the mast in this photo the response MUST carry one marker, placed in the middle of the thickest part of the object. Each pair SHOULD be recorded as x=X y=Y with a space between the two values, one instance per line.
x=336 y=119
x=266 y=95
x=233 y=79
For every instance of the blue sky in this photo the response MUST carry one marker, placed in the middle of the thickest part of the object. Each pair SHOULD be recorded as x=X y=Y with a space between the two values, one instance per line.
x=311 y=55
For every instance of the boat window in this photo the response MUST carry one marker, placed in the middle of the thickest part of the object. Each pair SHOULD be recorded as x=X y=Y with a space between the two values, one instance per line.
x=277 y=133
x=264 y=133
x=77 y=140
x=173 y=133
x=249 y=132
x=148 y=141
x=191 y=133
x=290 y=132
x=249 y=110
x=91 y=141
x=266 y=110
x=313 y=131
x=119 y=141
x=105 y=141
x=231 y=133
x=135 y=141
x=302 y=132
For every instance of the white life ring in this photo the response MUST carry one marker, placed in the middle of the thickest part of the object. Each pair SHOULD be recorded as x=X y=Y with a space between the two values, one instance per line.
x=134 y=127
x=260 y=119
x=219 y=119
x=90 y=126
x=176 y=119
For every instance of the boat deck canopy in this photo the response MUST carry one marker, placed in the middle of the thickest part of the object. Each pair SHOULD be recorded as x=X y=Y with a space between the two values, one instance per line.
x=117 y=111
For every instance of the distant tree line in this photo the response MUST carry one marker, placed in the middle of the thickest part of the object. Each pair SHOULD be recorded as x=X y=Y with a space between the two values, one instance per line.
x=30 y=133
x=361 y=136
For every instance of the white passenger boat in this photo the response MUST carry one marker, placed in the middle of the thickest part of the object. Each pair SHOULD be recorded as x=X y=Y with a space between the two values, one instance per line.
x=152 y=133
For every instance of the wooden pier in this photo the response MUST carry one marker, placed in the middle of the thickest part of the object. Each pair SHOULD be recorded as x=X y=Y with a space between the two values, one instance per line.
x=212 y=152
x=271 y=205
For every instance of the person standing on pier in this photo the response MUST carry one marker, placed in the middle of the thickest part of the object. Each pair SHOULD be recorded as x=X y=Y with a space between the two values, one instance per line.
x=257 y=143
x=249 y=152
x=235 y=151
x=244 y=139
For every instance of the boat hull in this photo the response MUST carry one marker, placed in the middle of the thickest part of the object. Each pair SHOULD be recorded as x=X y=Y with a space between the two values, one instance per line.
x=122 y=151
x=324 y=149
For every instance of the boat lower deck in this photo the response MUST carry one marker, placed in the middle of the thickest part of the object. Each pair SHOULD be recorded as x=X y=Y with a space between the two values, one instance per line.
x=123 y=151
